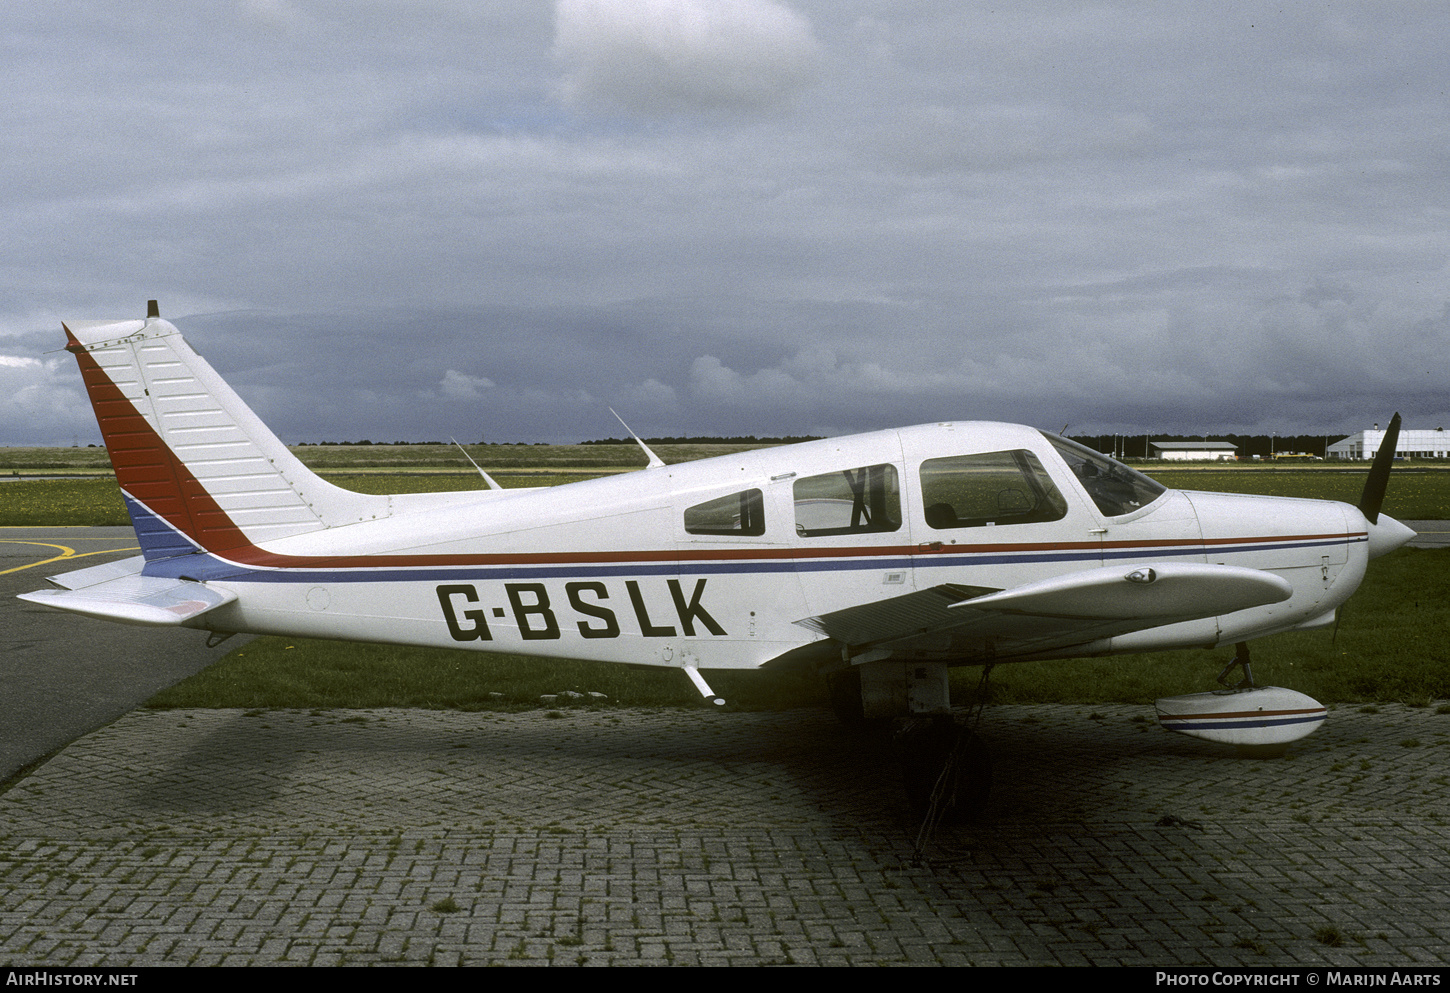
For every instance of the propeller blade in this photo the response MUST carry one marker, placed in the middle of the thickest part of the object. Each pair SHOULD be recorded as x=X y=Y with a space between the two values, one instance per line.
x=1379 y=473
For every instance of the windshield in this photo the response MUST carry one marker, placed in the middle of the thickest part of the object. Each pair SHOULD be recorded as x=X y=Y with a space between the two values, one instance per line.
x=1116 y=489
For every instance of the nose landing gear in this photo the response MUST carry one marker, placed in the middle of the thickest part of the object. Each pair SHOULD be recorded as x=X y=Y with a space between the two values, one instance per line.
x=1240 y=660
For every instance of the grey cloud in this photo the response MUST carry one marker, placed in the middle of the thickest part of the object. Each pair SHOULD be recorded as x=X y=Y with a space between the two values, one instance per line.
x=665 y=56
x=1127 y=216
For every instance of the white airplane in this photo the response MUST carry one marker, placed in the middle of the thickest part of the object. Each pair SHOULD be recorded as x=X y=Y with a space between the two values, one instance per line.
x=880 y=560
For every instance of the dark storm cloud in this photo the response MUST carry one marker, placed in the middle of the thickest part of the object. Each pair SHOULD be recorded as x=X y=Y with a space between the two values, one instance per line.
x=719 y=216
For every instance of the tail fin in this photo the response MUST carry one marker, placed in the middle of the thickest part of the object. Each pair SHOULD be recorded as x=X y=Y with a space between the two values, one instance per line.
x=197 y=467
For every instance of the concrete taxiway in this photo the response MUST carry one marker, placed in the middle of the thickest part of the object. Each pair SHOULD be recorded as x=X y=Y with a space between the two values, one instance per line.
x=65 y=675
x=613 y=837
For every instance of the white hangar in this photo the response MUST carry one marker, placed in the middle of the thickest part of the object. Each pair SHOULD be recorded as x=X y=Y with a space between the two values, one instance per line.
x=1433 y=443
x=1190 y=451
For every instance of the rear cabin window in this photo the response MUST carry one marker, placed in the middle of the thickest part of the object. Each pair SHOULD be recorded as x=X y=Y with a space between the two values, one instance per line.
x=991 y=488
x=851 y=501
x=739 y=513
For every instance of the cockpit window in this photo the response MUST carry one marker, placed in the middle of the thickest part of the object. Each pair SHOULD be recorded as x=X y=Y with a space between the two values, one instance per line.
x=739 y=513
x=1116 y=489
x=852 y=501
x=972 y=491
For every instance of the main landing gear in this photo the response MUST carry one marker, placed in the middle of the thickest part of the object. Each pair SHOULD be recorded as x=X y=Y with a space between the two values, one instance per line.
x=946 y=768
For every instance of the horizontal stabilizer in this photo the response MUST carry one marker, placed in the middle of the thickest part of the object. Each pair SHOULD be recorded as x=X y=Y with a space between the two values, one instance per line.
x=148 y=600
x=79 y=579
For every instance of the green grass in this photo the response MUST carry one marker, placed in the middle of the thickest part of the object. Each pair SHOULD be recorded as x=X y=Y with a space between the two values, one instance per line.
x=405 y=458
x=363 y=468
x=1391 y=646
x=46 y=503
x=439 y=482
x=299 y=673
x=92 y=458
x=1416 y=493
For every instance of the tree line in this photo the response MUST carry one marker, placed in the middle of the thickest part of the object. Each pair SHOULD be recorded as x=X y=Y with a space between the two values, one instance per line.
x=1135 y=446
x=1132 y=446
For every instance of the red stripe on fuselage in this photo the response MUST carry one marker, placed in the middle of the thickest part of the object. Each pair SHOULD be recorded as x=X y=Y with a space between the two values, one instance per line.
x=256 y=557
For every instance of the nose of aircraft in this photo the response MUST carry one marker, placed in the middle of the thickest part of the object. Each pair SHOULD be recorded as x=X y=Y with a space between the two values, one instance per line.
x=1386 y=534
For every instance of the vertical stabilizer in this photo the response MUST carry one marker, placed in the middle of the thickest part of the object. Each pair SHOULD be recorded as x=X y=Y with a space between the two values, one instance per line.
x=198 y=468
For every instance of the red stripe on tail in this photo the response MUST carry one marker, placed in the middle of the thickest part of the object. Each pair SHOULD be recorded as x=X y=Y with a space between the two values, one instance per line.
x=146 y=467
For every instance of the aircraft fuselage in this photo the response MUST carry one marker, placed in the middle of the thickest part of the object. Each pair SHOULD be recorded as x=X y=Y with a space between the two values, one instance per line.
x=958 y=543
x=606 y=569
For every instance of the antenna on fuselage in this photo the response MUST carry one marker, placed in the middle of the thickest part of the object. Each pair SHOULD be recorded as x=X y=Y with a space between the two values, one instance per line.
x=487 y=478
x=655 y=462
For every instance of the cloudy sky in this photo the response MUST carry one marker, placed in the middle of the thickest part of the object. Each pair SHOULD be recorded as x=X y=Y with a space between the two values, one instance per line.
x=494 y=220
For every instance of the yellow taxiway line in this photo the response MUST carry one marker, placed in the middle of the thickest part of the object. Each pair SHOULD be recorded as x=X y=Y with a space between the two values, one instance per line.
x=66 y=553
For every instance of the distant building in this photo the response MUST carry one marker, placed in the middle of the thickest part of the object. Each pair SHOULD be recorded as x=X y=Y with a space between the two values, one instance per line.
x=1193 y=451
x=1425 y=444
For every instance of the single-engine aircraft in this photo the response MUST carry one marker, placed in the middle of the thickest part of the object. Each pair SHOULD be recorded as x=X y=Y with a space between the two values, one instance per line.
x=880 y=560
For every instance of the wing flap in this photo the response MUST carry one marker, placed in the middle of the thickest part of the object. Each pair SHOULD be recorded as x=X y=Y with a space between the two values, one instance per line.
x=899 y=616
x=146 y=600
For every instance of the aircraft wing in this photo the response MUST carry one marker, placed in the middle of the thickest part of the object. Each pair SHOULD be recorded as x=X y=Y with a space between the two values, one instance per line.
x=964 y=622
x=130 y=598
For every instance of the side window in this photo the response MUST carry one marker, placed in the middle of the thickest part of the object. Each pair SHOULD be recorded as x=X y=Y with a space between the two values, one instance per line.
x=739 y=513
x=972 y=491
x=851 y=501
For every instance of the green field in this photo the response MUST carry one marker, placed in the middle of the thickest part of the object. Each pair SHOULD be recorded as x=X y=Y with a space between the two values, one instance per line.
x=1415 y=494
x=1418 y=492
x=57 y=498
x=496 y=459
